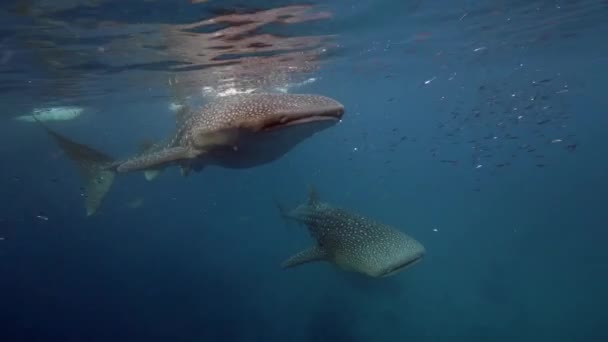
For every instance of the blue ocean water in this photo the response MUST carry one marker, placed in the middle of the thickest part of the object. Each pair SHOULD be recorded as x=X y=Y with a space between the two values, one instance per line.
x=475 y=127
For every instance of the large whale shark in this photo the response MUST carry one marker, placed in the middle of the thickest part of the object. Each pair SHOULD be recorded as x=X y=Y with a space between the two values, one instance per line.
x=240 y=131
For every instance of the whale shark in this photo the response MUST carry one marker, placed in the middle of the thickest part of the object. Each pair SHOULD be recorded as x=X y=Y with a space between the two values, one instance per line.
x=240 y=131
x=51 y=114
x=350 y=241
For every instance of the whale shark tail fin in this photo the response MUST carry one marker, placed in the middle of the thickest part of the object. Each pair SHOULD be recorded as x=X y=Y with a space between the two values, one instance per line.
x=95 y=168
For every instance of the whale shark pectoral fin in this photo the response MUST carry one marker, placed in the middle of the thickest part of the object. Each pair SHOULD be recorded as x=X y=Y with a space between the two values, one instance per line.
x=152 y=174
x=156 y=159
x=185 y=170
x=97 y=185
x=312 y=254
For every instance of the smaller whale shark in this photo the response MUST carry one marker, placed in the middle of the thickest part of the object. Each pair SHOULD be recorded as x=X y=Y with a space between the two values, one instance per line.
x=240 y=131
x=51 y=114
x=350 y=241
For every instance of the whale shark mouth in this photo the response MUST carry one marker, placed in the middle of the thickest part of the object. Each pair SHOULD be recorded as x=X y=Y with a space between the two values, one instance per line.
x=305 y=118
x=310 y=119
x=401 y=267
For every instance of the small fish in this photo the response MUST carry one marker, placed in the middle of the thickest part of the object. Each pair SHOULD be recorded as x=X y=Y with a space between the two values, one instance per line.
x=352 y=242
x=448 y=161
x=571 y=147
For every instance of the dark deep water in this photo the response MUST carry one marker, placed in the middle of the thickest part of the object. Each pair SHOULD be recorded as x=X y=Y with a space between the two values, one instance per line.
x=476 y=128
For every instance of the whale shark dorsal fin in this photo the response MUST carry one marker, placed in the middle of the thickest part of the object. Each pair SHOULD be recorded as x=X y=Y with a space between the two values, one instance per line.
x=181 y=115
x=145 y=145
x=313 y=196
x=179 y=103
x=312 y=254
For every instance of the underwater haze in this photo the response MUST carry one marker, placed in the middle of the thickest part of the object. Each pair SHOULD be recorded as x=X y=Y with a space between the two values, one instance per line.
x=477 y=128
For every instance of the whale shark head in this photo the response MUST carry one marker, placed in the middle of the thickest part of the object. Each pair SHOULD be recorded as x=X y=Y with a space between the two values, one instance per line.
x=253 y=129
